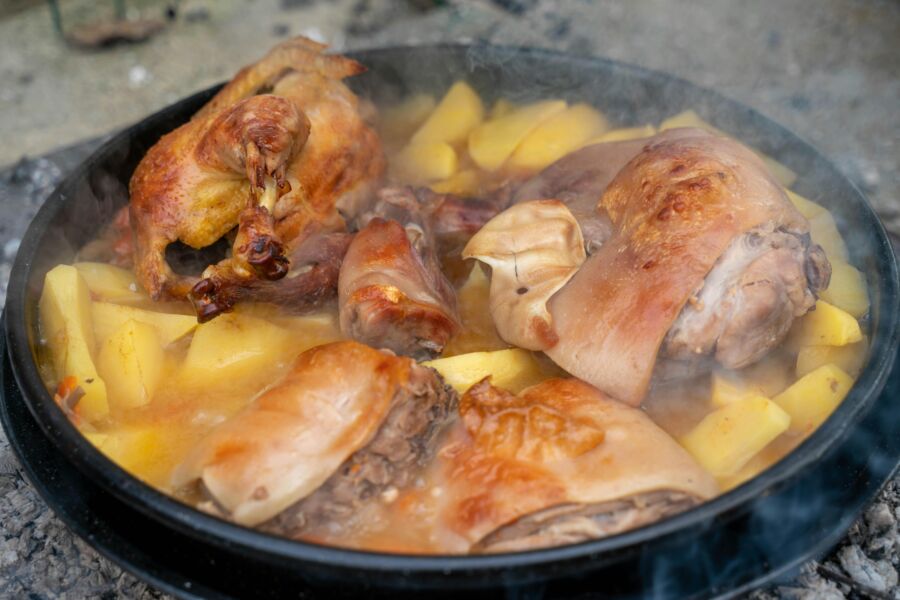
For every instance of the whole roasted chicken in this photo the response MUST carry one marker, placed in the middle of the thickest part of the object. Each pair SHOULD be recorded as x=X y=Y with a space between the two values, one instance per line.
x=276 y=156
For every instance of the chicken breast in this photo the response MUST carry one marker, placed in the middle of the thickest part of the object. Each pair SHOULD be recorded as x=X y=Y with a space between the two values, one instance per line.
x=559 y=463
x=676 y=209
x=347 y=419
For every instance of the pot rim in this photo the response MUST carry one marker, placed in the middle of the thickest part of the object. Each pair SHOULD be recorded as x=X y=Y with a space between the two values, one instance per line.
x=167 y=510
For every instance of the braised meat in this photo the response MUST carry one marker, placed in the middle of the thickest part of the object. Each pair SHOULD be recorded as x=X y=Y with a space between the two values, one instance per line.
x=392 y=293
x=275 y=154
x=676 y=209
x=579 y=180
x=346 y=423
x=560 y=462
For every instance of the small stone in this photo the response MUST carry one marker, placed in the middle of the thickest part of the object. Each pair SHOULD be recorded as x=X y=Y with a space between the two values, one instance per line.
x=138 y=75
x=879 y=575
x=10 y=248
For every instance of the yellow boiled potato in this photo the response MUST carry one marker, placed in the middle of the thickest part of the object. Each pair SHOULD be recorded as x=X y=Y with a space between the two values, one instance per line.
x=824 y=232
x=131 y=363
x=689 y=118
x=827 y=325
x=623 y=134
x=501 y=108
x=109 y=317
x=513 y=369
x=847 y=289
x=807 y=208
x=478 y=332
x=726 y=388
x=492 y=142
x=466 y=182
x=814 y=396
x=727 y=438
x=458 y=112
x=849 y=358
x=111 y=284
x=557 y=136
x=426 y=161
x=233 y=347
x=66 y=325
x=136 y=449
x=401 y=120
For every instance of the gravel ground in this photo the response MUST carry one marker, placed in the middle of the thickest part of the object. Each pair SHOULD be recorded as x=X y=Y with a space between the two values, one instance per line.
x=830 y=70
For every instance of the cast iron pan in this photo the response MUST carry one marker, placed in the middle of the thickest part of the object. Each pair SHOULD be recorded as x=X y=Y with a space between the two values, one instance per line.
x=797 y=509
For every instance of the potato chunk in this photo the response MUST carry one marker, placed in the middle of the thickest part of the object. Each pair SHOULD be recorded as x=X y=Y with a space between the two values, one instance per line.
x=108 y=318
x=131 y=363
x=814 y=396
x=824 y=232
x=847 y=289
x=492 y=142
x=849 y=358
x=458 y=112
x=622 y=134
x=400 y=121
x=466 y=182
x=557 y=136
x=727 y=438
x=827 y=325
x=111 y=284
x=65 y=312
x=807 y=208
x=501 y=108
x=513 y=369
x=233 y=347
x=426 y=161
x=726 y=388
x=142 y=451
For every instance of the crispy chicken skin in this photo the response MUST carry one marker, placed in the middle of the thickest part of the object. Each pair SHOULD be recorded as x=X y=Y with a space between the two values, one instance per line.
x=676 y=208
x=391 y=292
x=277 y=152
x=333 y=404
x=559 y=448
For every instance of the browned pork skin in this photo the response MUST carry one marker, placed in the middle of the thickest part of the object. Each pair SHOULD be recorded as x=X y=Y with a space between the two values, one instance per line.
x=676 y=209
x=391 y=292
x=347 y=423
x=275 y=153
x=557 y=464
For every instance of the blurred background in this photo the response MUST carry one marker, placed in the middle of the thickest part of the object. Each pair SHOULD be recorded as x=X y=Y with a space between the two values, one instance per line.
x=74 y=71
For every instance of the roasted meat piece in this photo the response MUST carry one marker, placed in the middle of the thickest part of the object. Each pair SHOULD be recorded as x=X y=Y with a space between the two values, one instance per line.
x=578 y=180
x=275 y=154
x=558 y=464
x=676 y=209
x=392 y=293
x=533 y=249
x=346 y=423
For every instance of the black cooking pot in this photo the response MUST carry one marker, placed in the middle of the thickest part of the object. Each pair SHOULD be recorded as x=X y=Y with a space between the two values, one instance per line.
x=795 y=510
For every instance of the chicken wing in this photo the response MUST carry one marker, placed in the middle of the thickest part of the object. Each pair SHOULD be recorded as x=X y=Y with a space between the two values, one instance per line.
x=276 y=153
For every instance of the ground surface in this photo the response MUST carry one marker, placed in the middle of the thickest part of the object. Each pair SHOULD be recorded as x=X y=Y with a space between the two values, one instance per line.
x=828 y=69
